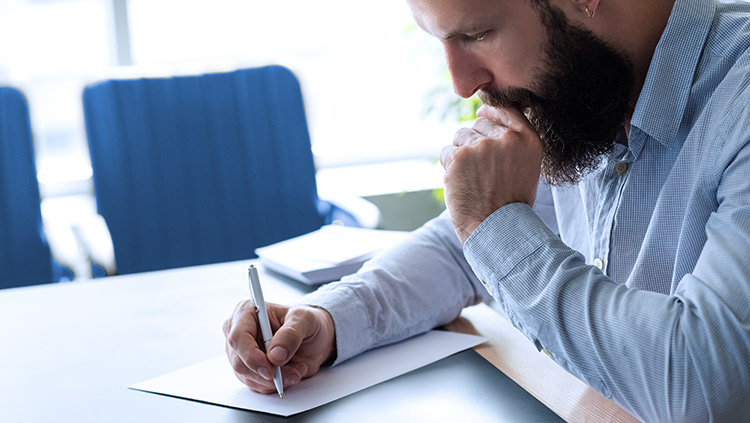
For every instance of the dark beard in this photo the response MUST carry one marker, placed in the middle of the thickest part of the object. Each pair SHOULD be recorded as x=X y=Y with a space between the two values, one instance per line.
x=578 y=105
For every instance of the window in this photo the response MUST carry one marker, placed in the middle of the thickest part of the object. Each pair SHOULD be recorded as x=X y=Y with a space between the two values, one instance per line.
x=364 y=74
x=48 y=50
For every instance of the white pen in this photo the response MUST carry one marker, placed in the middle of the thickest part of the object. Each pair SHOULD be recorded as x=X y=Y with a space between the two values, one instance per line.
x=265 y=326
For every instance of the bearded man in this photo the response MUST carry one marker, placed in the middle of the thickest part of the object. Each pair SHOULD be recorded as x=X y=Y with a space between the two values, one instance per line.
x=602 y=198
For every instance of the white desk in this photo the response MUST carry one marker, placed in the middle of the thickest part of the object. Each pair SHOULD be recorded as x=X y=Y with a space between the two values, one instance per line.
x=68 y=351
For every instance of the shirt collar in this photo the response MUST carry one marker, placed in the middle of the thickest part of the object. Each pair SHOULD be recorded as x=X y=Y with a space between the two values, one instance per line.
x=662 y=101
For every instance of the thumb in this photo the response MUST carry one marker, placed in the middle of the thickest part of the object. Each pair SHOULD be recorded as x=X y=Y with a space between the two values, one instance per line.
x=287 y=340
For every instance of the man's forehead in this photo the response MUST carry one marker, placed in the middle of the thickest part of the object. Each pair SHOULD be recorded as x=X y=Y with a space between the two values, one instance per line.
x=443 y=18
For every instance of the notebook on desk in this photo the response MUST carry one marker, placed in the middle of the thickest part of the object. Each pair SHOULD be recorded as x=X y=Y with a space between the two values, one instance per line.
x=326 y=254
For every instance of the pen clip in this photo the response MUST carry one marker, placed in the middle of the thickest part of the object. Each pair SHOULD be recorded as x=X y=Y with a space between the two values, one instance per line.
x=253 y=301
x=256 y=296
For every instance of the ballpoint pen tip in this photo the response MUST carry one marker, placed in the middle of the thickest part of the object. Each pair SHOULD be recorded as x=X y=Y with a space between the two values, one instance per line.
x=281 y=395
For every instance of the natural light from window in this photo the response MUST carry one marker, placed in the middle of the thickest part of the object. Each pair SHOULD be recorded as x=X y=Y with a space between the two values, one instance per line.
x=365 y=70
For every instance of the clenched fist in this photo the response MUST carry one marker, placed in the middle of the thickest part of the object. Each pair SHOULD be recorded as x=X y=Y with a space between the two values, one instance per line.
x=495 y=162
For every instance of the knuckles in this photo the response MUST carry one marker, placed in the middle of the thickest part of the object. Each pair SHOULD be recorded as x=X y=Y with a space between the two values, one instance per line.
x=478 y=150
x=238 y=366
x=487 y=145
x=245 y=306
x=463 y=136
x=232 y=340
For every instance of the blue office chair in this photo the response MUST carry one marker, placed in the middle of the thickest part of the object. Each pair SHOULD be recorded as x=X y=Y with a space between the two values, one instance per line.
x=200 y=169
x=25 y=257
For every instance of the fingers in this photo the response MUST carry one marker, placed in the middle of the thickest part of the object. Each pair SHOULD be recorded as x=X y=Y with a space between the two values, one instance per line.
x=248 y=361
x=492 y=113
x=446 y=155
x=303 y=340
x=247 y=376
x=291 y=375
x=489 y=128
x=241 y=330
x=482 y=129
x=510 y=118
x=491 y=123
x=463 y=137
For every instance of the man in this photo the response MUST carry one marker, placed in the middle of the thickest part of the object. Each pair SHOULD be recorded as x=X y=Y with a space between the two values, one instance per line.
x=636 y=114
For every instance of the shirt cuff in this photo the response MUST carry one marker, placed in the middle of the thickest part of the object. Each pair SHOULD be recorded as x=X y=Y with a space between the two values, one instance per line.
x=502 y=241
x=353 y=333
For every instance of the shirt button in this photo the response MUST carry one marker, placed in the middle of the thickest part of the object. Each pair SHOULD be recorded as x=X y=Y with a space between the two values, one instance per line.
x=486 y=286
x=599 y=263
x=621 y=168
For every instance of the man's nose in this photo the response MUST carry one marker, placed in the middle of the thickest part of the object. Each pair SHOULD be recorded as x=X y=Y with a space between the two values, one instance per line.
x=467 y=72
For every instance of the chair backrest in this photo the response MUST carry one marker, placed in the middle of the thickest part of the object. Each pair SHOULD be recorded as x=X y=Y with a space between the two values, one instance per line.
x=25 y=257
x=199 y=169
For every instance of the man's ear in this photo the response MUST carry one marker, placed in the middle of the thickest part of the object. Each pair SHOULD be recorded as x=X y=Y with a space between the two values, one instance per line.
x=587 y=7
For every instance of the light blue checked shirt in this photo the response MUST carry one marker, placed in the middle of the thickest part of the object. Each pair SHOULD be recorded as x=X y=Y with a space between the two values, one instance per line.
x=645 y=292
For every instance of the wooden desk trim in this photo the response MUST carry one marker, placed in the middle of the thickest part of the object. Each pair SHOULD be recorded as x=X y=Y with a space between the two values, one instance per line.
x=513 y=354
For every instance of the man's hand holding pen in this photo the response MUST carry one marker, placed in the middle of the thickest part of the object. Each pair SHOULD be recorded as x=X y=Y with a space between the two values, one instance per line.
x=303 y=340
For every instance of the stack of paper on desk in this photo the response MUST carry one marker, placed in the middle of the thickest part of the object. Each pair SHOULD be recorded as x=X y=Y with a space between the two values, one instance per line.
x=327 y=254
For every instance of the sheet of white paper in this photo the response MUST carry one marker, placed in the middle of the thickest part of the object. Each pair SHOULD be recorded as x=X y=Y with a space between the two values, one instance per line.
x=213 y=380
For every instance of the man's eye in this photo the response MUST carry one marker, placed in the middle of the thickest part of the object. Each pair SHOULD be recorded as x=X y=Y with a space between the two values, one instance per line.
x=478 y=37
